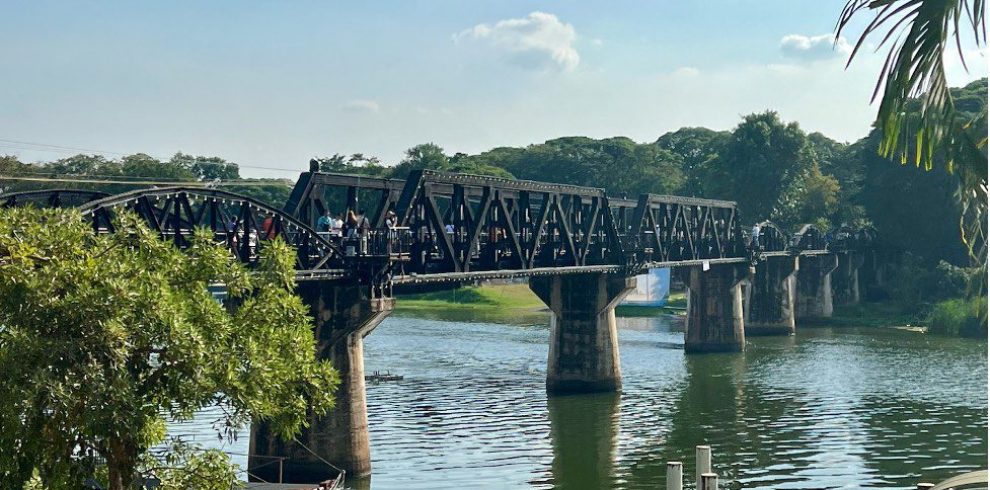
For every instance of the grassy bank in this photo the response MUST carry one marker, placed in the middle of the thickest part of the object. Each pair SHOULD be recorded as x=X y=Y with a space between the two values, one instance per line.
x=513 y=300
x=676 y=304
x=885 y=314
x=496 y=296
x=497 y=303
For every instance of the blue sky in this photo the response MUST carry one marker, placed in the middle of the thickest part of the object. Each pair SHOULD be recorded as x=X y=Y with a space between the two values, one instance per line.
x=271 y=84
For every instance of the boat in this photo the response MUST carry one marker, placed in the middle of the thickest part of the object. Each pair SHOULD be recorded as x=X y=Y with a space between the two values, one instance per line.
x=378 y=376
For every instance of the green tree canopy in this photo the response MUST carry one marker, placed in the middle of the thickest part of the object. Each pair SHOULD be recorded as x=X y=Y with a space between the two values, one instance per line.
x=103 y=336
x=760 y=157
x=812 y=197
x=698 y=148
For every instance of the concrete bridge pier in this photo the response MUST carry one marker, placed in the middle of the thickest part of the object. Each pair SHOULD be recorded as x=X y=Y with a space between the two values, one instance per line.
x=845 y=281
x=584 y=348
x=770 y=297
x=814 y=286
x=344 y=315
x=715 y=319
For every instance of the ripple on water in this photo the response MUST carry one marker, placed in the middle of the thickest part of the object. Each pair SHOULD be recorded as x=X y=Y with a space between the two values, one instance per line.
x=847 y=408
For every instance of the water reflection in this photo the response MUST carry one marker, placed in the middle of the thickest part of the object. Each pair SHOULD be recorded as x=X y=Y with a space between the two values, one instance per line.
x=832 y=408
x=583 y=432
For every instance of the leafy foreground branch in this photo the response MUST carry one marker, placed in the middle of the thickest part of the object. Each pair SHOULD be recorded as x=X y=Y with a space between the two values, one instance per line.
x=104 y=336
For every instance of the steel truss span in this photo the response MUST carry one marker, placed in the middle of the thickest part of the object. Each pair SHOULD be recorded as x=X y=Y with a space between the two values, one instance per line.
x=440 y=227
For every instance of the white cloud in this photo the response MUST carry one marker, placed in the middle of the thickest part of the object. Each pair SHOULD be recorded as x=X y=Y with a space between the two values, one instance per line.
x=814 y=48
x=537 y=41
x=686 y=71
x=361 y=105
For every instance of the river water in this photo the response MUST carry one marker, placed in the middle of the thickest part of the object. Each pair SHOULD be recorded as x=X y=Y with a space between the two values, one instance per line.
x=827 y=408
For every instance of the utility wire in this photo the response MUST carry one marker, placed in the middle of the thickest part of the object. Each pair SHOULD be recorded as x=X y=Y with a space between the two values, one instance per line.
x=53 y=174
x=182 y=183
x=69 y=149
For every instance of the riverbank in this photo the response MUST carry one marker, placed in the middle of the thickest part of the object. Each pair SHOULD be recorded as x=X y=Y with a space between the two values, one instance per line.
x=882 y=314
x=508 y=300
x=499 y=303
x=953 y=318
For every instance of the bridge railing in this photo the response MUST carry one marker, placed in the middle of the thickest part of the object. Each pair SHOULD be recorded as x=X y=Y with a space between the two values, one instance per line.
x=379 y=243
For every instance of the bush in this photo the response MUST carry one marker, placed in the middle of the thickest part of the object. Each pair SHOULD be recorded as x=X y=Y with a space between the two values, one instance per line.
x=915 y=283
x=960 y=317
x=951 y=281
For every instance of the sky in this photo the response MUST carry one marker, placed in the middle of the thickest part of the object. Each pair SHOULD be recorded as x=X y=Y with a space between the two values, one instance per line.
x=272 y=84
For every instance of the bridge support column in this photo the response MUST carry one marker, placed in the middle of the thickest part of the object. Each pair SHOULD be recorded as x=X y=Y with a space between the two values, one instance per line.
x=344 y=315
x=845 y=280
x=814 y=286
x=770 y=297
x=584 y=349
x=715 y=320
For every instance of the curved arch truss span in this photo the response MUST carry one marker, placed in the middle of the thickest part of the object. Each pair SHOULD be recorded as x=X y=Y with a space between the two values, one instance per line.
x=245 y=225
x=51 y=198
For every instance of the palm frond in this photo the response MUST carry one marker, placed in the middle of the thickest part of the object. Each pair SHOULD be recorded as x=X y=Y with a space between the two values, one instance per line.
x=918 y=33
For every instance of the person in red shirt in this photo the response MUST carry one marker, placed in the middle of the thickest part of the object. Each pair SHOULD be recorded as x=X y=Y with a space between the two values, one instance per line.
x=268 y=226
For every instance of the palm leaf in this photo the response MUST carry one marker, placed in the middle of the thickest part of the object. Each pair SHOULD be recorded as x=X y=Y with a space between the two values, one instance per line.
x=918 y=33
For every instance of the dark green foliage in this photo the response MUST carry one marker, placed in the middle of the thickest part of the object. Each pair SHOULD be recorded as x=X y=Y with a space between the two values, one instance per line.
x=911 y=208
x=916 y=283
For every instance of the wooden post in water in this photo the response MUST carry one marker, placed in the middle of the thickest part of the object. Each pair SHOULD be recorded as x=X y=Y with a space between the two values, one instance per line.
x=675 y=475
x=702 y=462
x=709 y=481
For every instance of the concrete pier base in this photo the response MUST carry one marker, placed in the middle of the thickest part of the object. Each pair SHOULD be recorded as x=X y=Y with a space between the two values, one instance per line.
x=715 y=319
x=814 y=286
x=770 y=297
x=584 y=349
x=845 y=278
x=344 y=316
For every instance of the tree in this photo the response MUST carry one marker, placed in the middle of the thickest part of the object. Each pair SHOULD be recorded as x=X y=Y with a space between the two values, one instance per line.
x=142 y=165
x=761 y=156
x=104 y=335
x=698 y=148
x=357 y=163
x=206 y=168
x=812 y=197
x=919 y=33
x=427 y=156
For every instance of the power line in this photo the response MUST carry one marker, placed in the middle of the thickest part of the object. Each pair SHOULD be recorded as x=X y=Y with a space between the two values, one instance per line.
x=53 y=174
x=33 y=146
x=184 y=183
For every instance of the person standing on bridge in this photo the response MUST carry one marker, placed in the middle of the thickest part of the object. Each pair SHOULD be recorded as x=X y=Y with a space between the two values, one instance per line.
x=364 y=229
x=268 y=226
x=351 y=224
x=324 y=224
x=754 y=241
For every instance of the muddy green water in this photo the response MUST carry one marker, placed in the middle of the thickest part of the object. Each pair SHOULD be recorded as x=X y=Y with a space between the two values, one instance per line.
x=828 y=408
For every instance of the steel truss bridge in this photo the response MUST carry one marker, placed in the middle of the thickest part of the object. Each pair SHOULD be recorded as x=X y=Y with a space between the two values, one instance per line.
x=456 y=227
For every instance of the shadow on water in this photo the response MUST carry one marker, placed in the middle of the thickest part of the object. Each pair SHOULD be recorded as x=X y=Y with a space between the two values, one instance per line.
x=508 y=316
